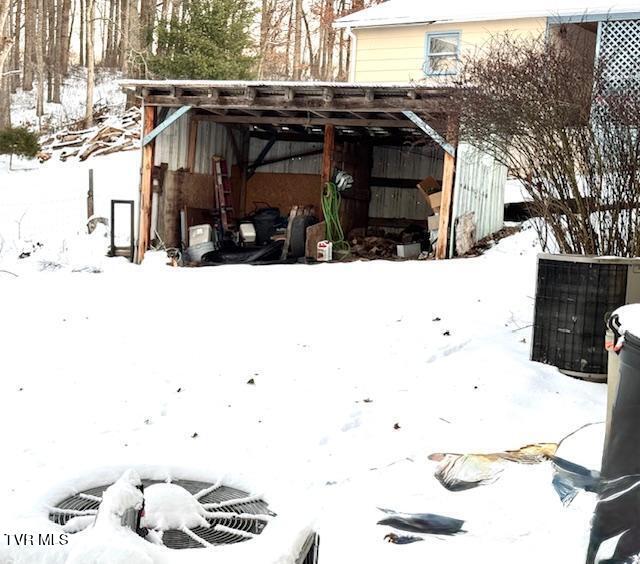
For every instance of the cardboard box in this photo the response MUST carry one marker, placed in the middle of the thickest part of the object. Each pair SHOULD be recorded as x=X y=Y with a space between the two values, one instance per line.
x=429 y=185
x=435 y=200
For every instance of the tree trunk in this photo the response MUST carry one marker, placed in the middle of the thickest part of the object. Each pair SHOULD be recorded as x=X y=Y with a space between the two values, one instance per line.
x=5 y=84
x=297 y=42
x=82 y=29
x=50 y=44
x=65 y=30
x=147 y=20
x=108 y=51
x=5 y=38
x=124 y=36
x=15 y=77
x=88 y=116
x=39 y=49
x=289 y=37
x=30 y=8
x=56 y=52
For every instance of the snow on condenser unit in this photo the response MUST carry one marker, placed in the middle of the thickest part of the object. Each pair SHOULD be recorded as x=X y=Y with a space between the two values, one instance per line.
x=574 y=294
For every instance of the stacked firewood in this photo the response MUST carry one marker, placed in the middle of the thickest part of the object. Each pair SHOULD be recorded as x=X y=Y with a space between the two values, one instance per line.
x=112 y=134
x=373 y=247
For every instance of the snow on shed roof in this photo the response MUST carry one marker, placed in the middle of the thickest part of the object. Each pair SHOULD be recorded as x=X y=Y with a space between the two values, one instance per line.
x=403 y=12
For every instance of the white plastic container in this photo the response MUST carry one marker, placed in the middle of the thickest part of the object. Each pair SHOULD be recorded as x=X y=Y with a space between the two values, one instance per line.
x=247 y=233
x=324 y=251
x=199 y=234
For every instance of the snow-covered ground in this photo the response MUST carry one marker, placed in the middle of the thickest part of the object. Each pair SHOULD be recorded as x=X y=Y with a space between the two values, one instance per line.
x=107 y=92
x=360 y=371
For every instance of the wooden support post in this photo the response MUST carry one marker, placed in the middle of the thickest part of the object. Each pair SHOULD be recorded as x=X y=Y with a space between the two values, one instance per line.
x=328 y=150
x=445 y=228
x=144 y=224
x=244 y=169
x=90 y=201
x=193 y=142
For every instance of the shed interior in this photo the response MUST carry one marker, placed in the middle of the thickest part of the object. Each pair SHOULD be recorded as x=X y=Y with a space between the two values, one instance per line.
x=280 y=144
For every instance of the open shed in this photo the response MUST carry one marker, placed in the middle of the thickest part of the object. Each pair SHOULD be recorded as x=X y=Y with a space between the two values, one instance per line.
x=280 y=142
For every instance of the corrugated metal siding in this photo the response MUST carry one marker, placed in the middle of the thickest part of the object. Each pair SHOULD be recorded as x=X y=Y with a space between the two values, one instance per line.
x=281 y=149
x=479 y=187
x=213 y=139
x=402 y=162
x=172 y=145
x=397 y=203
x=405 y=162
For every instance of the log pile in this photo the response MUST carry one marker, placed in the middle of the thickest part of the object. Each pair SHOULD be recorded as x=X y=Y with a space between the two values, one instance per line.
x=373 y=248
x=111 y=134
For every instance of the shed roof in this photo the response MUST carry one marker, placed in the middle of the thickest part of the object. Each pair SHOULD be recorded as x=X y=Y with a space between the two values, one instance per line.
x=405 y=12
x=376 y=110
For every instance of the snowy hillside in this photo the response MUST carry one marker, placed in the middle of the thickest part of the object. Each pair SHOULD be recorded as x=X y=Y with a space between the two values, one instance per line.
x=107 y=94
x=359 y=371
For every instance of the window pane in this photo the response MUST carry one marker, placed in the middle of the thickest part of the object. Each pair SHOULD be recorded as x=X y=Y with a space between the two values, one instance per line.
x=443 y=44
x=445 y=64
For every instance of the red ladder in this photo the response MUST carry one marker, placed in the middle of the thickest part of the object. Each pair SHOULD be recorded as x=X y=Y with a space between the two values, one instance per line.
x=222 y=190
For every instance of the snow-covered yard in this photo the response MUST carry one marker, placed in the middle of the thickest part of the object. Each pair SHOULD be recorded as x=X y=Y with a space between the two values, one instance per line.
x=359 y=371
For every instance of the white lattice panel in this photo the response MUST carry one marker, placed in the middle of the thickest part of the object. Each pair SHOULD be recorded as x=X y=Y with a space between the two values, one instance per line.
x=620 y=52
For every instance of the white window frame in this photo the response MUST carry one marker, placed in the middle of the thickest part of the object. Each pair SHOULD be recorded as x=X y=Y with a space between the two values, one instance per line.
x=428 y=71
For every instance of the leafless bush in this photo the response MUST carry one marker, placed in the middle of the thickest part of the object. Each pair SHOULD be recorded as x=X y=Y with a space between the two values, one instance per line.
x=549 y=113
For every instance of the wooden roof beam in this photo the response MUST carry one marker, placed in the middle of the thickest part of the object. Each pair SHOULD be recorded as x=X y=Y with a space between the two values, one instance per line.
x=311 y=104
x=339 y=122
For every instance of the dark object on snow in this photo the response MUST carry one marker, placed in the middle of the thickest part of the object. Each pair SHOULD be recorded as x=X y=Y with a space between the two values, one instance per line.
x=264 y=220
x=428 y=523
x=618 y=510
x=461 y=472
x=401 y=539
x=569 y=478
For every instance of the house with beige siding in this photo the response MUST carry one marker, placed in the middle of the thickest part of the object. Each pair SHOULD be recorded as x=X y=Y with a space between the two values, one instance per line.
x=419 y=40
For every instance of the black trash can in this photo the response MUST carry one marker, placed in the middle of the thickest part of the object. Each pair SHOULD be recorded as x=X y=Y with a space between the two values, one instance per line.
x=617 y=513
x=264 y=221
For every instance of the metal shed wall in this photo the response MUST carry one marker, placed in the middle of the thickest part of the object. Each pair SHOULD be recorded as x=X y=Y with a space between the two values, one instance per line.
x=397 y=203
x=479 y=187
x=407 y=162
x=281 y=149
x=172 y=145
x=402 y=162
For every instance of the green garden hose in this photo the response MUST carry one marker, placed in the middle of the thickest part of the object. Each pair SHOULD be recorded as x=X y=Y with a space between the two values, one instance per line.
x=331 y=210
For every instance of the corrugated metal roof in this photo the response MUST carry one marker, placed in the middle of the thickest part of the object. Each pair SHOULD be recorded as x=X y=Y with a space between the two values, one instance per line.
x=404 y=12
x=302 y=85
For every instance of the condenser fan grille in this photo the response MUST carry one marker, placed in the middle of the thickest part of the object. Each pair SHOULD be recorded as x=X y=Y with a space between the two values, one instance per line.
x=88 y=501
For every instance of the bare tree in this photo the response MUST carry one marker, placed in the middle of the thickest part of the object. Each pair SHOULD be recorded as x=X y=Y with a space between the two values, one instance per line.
x=30 y=8
x=39 y=38
x=16 y=33
x=549 y=113
x=5 y=39
x=91 y=12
